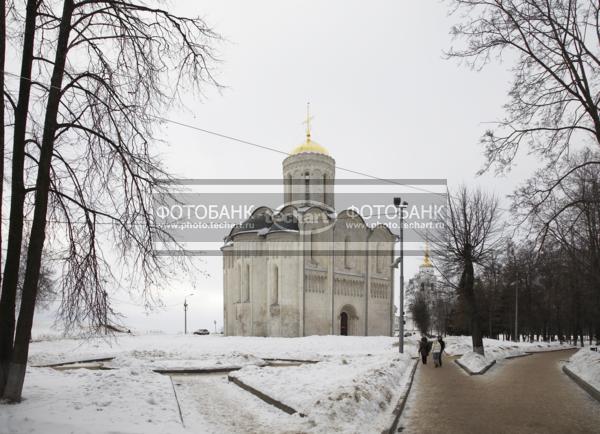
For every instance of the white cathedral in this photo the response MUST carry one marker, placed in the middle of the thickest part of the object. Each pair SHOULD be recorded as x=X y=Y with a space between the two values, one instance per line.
x=305 y=269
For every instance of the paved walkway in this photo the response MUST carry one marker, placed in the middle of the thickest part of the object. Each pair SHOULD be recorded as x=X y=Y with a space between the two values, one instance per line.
x=525 y=395
x=212 y=405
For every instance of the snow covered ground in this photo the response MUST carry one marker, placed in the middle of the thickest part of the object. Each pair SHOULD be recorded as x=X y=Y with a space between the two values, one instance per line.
x=494 y=350
x=353 y=388
x=341 y=394
x=585 y=363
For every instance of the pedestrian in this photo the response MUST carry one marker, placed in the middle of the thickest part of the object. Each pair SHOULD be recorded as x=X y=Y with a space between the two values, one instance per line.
x=436 y=348
x=424 y=347
x=443 y=344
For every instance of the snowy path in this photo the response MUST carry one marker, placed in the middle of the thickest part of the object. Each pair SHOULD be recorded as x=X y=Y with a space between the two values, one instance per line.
x=524 y=395
x=211 y=404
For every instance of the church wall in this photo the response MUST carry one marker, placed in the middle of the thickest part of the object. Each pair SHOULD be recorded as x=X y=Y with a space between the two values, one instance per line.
x=258 y=288
x=379 y=308
x=316 y=235
x=381 y=244
x=354 y=307
x=350 y=279
x=284 y=315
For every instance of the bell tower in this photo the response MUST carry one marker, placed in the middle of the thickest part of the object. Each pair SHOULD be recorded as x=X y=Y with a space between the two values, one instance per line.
x=309 y=173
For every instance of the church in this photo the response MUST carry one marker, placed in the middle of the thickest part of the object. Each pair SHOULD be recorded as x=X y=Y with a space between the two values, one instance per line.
x=437 y=295
x=305 y=269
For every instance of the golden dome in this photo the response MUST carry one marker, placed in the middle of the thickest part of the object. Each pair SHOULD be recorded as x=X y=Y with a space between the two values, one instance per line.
x=426 y=260
x=309 y=146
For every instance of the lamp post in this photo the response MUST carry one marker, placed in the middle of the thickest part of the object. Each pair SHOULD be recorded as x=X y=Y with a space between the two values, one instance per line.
x=517 y=308
x=185 y=306
x=401 y=205
x=516 y=283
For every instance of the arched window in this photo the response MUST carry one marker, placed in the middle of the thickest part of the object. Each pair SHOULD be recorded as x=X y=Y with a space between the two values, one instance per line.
x=378 y=257
x=422 y=287
x=325 y=189
x=347 y=259
x=306 y=186
x=240 y=283
x=246 y=294
x=290 y=189
x=275 y=285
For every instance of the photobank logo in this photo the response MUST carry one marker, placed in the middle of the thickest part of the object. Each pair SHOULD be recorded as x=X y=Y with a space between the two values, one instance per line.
x=199 y=217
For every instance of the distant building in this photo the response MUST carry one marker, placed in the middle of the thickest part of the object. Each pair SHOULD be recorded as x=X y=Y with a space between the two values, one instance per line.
x=305 y=269
x=425 y=283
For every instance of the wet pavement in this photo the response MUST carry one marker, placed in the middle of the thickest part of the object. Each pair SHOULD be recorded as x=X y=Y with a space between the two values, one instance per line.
x=524 y=395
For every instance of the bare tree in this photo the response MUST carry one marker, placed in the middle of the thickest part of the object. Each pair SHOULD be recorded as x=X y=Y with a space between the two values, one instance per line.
x=469 y=237
x=15 y=233
x=556 y=89
x=115 y=66
x=569 y=214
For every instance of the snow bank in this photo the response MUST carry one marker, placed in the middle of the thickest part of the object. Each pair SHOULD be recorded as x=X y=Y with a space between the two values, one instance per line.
x=91 y=402
x=585 y=363
x=475 y=363
x=494 y=350
x=458 y=345
x=160 y=348
x=354 y=394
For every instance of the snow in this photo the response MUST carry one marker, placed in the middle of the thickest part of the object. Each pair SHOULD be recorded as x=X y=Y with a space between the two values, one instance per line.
x=92 y=401
x=475 y=362
x=494 y=350
x=459 y=345
x=585 y=363
x=352 y=388
x=359 y=397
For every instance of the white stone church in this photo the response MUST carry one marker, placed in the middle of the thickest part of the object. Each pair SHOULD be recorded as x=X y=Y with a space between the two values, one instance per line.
x=305 y=269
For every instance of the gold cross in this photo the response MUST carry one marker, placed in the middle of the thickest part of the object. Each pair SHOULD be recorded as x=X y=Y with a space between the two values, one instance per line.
x=307 y=121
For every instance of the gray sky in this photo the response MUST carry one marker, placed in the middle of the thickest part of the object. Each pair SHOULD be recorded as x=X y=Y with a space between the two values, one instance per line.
x=385 y=102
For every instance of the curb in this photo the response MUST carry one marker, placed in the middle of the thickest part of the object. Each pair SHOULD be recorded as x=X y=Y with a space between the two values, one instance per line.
x=280 y=405
x=73 y=362
x=174 y=371
x=269 y=359
x=518 y=355
x=595 y=393
x=402 y=401
x=468 y=371
x=552 y=350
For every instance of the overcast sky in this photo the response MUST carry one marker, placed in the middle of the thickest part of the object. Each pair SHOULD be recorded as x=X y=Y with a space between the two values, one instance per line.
x=385 y=101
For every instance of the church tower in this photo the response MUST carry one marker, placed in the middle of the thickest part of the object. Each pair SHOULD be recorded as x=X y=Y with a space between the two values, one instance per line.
x=309 y=174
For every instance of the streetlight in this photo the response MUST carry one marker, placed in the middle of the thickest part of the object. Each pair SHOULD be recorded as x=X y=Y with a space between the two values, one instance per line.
x=185 y=305
x=516 y=284
x=401 y=205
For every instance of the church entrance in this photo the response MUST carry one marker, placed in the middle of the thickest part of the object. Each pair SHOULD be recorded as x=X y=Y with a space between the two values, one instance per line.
x=344 y=324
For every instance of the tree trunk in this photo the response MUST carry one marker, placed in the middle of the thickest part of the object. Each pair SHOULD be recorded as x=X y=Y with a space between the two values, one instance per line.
x=2 y=64
x=467 y=284
x=15 y=231
x=18 y=363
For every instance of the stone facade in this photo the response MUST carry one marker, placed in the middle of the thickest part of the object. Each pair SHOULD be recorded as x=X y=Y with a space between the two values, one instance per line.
x=305 y=269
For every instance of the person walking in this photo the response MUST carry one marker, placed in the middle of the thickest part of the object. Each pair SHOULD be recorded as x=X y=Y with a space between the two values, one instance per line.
x=436 y=349
x=443 y=345
x=424 y=347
